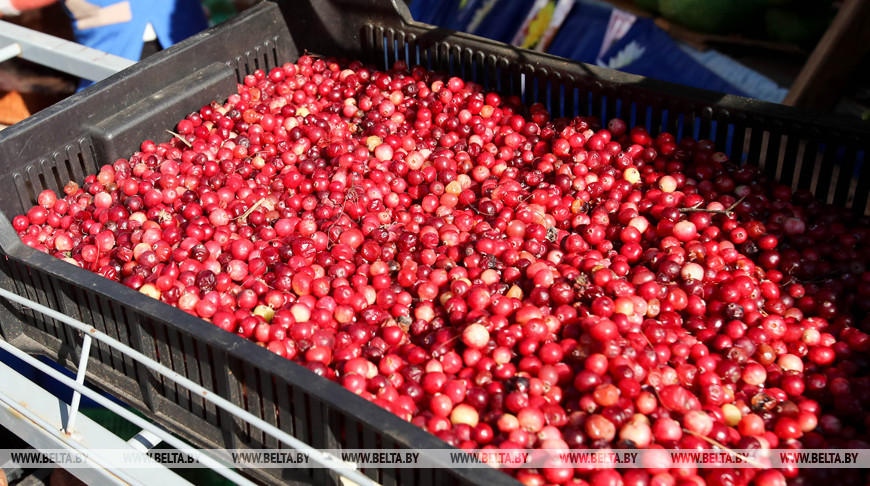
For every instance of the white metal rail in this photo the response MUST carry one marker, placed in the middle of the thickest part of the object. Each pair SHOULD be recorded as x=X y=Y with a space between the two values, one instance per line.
x=38 y=417
x=60 y=54
x=328 y=461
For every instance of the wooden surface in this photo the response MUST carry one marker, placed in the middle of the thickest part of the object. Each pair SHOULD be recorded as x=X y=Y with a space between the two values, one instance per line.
x=703 y=41
x=844 y=45
x=13 y=109
x=26 y=88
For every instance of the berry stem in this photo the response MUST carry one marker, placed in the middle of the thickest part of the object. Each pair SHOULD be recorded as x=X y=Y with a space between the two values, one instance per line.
x=180 y=137
x=727 y=212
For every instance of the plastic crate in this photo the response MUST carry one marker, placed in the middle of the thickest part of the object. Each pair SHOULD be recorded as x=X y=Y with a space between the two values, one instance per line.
x=110 y=119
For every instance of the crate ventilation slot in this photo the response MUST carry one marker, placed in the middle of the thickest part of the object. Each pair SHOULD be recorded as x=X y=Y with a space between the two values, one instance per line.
x=564 y=94
x=71 y=163
x=264 y=56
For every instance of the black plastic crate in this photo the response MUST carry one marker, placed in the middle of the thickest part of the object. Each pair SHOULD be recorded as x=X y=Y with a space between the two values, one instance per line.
x=110 y=119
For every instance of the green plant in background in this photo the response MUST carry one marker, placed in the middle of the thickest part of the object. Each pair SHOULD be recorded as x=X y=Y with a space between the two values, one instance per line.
x=650 y=5
x=712 y=16
x=219 y=10
x=802 y=24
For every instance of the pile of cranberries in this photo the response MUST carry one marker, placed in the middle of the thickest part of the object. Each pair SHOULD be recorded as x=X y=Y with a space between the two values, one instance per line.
x=499 y=278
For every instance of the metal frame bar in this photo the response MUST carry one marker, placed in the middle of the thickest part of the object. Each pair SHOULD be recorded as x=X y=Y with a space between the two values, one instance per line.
x=9 y=51
x=341 y=468
x=80 y=379
x=67 y=441
x=57 y=53
x=37 y=416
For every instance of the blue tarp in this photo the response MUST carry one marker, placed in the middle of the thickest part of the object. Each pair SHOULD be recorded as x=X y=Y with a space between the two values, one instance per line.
x=493 y=19
x=645 y=49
